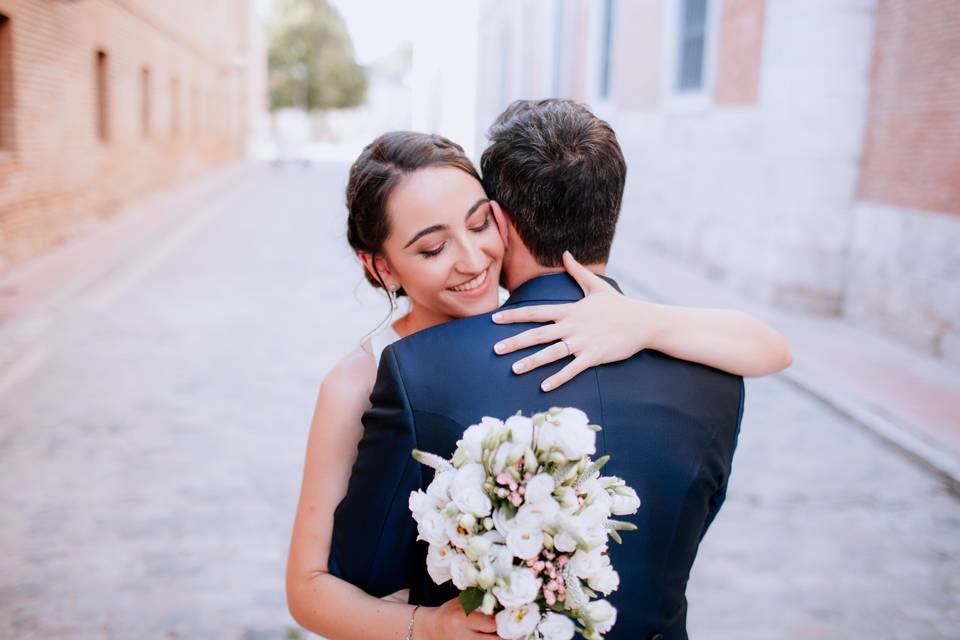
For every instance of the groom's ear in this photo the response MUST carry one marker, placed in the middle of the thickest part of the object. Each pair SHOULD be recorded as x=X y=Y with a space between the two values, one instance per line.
x=502 y=221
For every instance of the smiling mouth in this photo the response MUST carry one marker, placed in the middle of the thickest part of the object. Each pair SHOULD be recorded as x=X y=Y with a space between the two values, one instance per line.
x=470 y=285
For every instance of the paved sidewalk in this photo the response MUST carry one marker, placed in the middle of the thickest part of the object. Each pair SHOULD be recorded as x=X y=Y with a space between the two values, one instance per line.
x=910 y=400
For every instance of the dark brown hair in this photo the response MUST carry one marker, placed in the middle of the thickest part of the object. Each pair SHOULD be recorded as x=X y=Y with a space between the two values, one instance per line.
x=378 y=170
x=558 y=172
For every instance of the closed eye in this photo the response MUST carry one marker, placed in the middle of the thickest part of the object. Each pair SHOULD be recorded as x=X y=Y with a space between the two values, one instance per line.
x=486 y=224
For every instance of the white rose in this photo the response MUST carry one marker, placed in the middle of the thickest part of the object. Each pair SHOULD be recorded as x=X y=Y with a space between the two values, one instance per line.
x=601 y=615
x=525 y=541
x=522 y=588
x=605 y=580
x=576 y=442
x=462 y=571
x=539 y=488
x=432 y=527
x=521 y=429
x=624 y=502
x=518 y=624
x=564 y=541
x=554 y=626
x=438 y=562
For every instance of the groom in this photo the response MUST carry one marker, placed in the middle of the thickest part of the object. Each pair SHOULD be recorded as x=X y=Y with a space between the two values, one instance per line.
x=670 y=426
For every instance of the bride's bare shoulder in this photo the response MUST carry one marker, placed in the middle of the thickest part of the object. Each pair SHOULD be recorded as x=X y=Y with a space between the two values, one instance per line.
x=351 y=380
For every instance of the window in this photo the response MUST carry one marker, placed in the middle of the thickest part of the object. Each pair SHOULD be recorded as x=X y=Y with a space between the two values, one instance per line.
x=693 y=28
x=606 y=43
x=6 y=85
x=174 y=106
x=102 y=89
x=145 y=101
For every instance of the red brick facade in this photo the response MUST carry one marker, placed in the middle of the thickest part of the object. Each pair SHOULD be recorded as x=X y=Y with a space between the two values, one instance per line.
x=105 y=100
x=912 y=149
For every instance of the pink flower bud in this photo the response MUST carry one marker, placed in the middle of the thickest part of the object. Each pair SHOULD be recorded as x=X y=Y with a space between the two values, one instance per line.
x=562 y=560
x=550 y=598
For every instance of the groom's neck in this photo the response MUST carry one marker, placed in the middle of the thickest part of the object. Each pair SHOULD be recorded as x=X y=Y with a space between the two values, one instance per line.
x=522 y=270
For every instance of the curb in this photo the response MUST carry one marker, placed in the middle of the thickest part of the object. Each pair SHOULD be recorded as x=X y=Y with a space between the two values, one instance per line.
x=897 y=436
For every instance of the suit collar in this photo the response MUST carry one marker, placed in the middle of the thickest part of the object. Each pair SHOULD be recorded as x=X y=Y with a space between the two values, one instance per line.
x=552 y=287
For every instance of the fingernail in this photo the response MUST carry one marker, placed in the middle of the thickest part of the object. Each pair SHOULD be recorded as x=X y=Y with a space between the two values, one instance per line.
x=546 y=386
x=499 y=347
x=496 y=317
x=517 y=367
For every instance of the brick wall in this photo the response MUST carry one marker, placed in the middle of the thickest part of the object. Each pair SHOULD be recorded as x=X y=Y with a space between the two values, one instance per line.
x=740 y=52
x=912 y=150
x=58 y=176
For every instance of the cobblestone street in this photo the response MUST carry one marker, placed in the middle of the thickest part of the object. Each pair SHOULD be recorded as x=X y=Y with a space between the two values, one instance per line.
x=152 y=439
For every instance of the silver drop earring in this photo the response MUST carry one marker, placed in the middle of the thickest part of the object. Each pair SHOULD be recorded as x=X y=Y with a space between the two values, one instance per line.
x=392 y=293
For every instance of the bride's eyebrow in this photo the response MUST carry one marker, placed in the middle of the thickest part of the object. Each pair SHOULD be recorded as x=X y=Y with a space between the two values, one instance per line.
x=440 y=227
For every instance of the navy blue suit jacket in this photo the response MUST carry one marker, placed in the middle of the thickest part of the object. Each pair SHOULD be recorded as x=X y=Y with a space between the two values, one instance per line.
x=670 y=426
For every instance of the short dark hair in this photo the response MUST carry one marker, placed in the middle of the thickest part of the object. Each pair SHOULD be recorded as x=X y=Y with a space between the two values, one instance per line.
x=378 y=170
x=558 y=172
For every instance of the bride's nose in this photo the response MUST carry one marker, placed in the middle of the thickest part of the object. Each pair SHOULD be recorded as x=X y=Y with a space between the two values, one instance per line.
x=472 y=259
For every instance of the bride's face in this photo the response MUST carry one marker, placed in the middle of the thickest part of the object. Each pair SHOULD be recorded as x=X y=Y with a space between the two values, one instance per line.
x=444 y=247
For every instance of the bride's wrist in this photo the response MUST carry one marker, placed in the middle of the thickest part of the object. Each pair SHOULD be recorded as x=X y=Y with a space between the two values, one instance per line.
x=652 y=322
x=421 y=623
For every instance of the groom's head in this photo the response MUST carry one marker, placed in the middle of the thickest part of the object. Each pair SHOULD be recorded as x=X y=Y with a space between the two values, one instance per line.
x=558 y=174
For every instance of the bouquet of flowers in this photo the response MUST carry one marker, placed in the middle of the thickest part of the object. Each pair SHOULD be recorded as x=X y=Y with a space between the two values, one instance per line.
x=519 y=520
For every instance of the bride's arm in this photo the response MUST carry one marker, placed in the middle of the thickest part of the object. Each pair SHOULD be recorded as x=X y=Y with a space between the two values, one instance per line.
x=323 y=603
x=607 y=327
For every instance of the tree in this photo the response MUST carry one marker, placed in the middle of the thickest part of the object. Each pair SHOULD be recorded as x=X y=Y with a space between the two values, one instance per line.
x=310 y=59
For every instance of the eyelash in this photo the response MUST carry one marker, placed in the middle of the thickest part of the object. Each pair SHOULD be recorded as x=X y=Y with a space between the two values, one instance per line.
x=433 y=253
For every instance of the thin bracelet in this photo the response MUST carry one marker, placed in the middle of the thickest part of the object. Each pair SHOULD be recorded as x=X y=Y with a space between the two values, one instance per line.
x=409 y=635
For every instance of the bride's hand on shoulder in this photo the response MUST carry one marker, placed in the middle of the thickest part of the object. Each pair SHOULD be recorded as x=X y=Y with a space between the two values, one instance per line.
x=449 y=622
x=604 y=326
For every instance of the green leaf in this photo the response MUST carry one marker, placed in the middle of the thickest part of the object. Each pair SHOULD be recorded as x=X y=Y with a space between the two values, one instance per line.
x=471 y=599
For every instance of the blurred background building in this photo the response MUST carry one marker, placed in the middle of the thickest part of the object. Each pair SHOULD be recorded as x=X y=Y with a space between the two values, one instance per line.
x=102 y=101
x=806 y=152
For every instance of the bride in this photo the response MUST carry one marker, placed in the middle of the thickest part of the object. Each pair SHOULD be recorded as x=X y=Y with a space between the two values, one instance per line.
x=421 y=224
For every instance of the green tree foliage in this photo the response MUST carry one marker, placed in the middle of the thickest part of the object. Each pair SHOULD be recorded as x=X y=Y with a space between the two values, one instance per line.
x=310 y=59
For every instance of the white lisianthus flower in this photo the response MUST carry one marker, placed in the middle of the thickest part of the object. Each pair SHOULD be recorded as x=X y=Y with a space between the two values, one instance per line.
x=584 y=564
x=596 y=494
x=525 y=541
x=501 y=457
x=438 y=562
x=554 y=626
x=462 y=572
x=456 y=532
x=439 y=487
x=478 y=545
x=605 y=580
x=467 y=490
x=473 y=437
x=521 y=429
x=502 y=521
x=567 y=498
x=522 y=588
x=624 y=502
x=518 y=624
x=421 y=502
x=498 y=559
x=564 y=541
x=432 y=528
x=539 y=515
x=540 y=487
x=602 y=615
